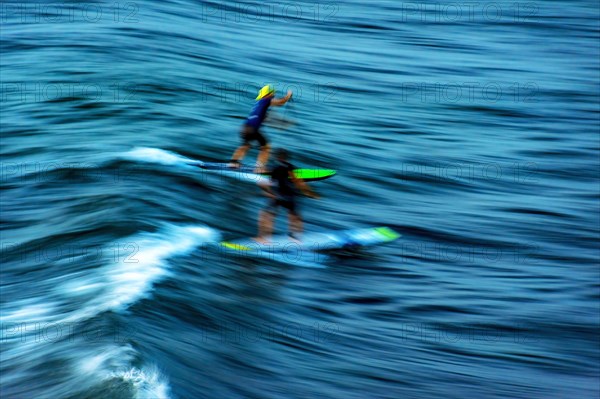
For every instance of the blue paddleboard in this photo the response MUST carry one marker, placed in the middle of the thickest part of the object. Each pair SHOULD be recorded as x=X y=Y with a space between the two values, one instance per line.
x=247 y=172
x=316 y=242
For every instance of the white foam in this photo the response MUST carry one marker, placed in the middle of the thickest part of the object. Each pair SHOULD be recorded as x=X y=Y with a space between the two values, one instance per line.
x=115 y=363
x=149 y=383
x=157 y=155
x=111 y=358
x=132 y=278
x=87 y=293
x=28 y=312
x=119 y=283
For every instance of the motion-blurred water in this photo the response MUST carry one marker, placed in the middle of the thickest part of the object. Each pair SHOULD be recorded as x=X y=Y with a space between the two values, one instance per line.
x=470 y=128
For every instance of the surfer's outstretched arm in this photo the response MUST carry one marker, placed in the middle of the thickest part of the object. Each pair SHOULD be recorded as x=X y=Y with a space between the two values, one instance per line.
x=278 y=102
x=303 y=187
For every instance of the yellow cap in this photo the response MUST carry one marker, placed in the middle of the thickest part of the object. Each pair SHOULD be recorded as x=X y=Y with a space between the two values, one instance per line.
x=265 y=91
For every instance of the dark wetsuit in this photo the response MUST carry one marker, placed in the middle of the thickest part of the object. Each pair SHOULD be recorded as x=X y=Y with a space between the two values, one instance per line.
x=251 y=129
x=284 y=188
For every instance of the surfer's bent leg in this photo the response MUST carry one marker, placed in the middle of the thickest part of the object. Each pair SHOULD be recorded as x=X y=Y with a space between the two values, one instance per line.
x=263 y=155
x=246 y=134
x=265 y=222
x=294 y=219
x=273 y=207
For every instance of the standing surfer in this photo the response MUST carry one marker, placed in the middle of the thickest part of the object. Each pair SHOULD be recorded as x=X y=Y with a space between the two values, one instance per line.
x=283 y=194
x=251 y=128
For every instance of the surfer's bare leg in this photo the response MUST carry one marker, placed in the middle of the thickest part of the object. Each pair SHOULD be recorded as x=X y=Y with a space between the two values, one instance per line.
x=265 y=227
x=239 y=154
x=263 y=158
x=295 y=223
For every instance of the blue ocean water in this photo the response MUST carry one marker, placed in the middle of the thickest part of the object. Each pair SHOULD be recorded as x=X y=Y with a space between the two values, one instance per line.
x=472 y=129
